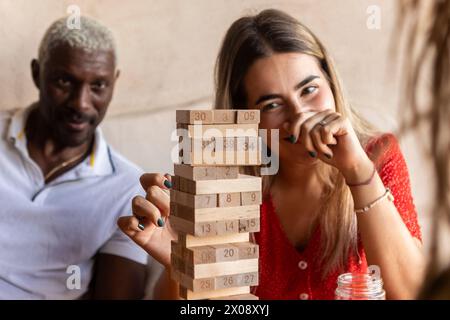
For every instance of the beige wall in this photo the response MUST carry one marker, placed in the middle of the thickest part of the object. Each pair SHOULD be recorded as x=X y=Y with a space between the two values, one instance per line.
x=167 y=51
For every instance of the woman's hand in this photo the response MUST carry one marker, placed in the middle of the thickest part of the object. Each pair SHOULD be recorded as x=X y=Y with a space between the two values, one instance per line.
x=149 y=226
x=331 y=138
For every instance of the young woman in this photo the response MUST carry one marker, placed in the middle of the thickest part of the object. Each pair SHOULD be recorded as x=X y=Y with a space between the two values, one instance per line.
x=332 y=165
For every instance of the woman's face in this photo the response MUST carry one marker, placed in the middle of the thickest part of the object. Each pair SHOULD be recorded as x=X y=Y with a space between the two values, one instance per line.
x=282 y=87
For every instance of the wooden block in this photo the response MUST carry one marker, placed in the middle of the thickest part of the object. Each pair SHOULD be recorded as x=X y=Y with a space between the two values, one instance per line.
x=244 y=183
x=189 y=241
x=175 y=182
x=221 y=268
x=193 y=116
x=200 y=255
x=218 y=144
x=176 y=249
x=241 y=158
x=227 y=227
x=173 y=209
x=229 y=199
x=210 y=254
x=199 y=229
x=190 y=295
x=225 y=252
x=215 y=269
x=217 y=214
x=208 y=131
x=236 y=280
x=249 y=225
x=247 y=296
x=177 y=263
x=227 y=172
x=205 y=173
x=222 y=151
x=192 y=200
x=248 y=144
x=195 y=285
x=195 y=173
x=247 y=250
x=213 y=228
x=224 y=116
x=251 y=198
x=248 y=116
x=211 y=283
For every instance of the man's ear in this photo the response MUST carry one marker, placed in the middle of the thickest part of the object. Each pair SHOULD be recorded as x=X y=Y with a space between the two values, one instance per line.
x=35 y=72
x=117 y=75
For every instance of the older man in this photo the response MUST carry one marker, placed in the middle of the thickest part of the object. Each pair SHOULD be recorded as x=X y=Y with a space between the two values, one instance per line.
x=62 y=187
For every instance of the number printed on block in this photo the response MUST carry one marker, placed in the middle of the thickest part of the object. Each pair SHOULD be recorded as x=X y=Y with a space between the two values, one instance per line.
x=249 y=225
x=227 y=172
x=237 y=280
x=247 y=250
x=224 y=116
x=251 y=198
x=226 y=252
x=229 y=199
x=227 y=227
x=248 y=116
x=193 y=116
x=204 y=229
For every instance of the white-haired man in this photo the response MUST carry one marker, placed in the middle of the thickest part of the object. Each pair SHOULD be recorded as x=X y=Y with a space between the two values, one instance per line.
x=62 y=188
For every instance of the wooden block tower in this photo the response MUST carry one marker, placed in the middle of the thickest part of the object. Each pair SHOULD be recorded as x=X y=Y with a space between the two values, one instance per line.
x=214 y=208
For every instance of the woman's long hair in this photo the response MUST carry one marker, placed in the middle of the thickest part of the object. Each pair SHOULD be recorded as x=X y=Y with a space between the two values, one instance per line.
x=269 y=32
x=426 y=25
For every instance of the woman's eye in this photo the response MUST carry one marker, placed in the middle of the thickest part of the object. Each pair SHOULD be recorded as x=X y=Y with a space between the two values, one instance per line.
x=270 y=106
x=309 y=90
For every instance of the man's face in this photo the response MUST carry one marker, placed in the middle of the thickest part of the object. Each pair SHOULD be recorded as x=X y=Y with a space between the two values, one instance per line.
x=76 y=87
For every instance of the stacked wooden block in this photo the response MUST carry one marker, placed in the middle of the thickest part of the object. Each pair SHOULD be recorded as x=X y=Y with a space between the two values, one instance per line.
x=213 y=207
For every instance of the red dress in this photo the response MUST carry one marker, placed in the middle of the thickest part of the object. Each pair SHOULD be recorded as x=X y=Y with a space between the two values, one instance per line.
x=286 y=273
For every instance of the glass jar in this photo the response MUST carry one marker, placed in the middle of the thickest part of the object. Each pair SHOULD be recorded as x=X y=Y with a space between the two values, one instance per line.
x=359 y=286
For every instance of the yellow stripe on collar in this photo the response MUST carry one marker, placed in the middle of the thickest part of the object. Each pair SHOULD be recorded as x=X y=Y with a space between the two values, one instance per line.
x=92 y=161
x=21 y=134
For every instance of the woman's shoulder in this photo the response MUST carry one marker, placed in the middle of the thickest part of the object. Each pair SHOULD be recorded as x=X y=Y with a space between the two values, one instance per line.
x=382 y=147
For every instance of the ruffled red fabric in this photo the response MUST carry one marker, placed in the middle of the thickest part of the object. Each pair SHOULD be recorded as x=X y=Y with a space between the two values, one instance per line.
x=286 y=273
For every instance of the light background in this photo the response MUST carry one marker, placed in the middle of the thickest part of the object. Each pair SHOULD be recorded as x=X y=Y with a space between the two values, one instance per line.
x=167 y=51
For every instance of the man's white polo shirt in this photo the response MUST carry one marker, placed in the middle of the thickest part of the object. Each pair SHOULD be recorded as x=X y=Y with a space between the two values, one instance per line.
x=45 y=230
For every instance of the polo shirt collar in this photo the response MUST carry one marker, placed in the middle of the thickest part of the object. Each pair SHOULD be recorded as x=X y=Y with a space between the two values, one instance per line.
x=98 y=163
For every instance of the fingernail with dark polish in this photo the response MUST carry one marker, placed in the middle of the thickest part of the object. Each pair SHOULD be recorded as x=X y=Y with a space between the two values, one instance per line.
x=292 y=139
x=313 y=154
x=168 y=184
x=141 y=226
x=329 y=156
x=160 y=222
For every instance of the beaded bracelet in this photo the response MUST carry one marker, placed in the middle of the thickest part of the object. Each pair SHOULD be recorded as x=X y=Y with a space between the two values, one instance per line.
x=387 y=195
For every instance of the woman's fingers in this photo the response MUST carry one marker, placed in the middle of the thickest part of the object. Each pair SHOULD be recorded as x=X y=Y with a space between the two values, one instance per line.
x=129 y=226
x=322 y=136
x=160 y=198
x=326 y=133
x=306 y=129
x=294 y=125
x=155 y=179
x=146 y=212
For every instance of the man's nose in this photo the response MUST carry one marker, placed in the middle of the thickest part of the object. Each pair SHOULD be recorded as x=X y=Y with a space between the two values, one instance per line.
x=81 y=99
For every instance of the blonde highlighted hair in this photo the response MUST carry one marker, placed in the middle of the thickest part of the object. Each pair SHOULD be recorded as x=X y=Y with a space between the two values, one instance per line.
x=269 y=32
